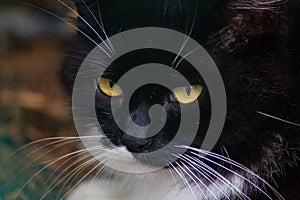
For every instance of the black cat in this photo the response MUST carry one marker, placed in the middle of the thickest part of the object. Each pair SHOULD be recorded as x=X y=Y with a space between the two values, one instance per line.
x=255 y=44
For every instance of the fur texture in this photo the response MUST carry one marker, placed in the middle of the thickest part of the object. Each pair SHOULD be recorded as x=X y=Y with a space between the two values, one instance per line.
x=256 y=45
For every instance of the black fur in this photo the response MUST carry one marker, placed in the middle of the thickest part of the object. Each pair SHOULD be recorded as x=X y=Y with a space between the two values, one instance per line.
x=256 y=47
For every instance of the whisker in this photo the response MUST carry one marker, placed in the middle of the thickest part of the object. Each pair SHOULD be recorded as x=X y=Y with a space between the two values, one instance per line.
x=40 y=156
x=248 y=180
x=72 y=25
x=214 y=173
x=236 y=164
x=73 y=11
x=71 y=176
x=75 y=172
x=205 y=175
x=187 y=38
x=96 y=61
x=100 y=25
x=53 y=185
x=41 y=170
x=103 y=28
x=97 y=166
x=183 y=178
x=67 y=161
x=191 y=177
x=100 y=171
x=56 y=145
x=44 y=140
x=185 y=56
x=224 y=151
x=279 y=119
x=174 y=180
x=78 y=171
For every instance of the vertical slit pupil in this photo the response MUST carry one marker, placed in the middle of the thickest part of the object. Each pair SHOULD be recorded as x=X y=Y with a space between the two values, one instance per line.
x=188 y=90
x=111 y=83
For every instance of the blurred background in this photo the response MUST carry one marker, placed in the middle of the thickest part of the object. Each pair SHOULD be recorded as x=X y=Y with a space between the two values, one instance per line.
x=33 y=106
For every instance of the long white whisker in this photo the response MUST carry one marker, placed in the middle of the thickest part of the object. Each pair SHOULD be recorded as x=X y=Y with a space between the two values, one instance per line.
x=72 y=25
x=234 y=163
x=183 y=178
x=100 y=25
x=87 y=59
x=214 y=173
x=62 y=157
x=53 y=185
x=67 y=168
x=73 y=11
x=185 y=56
x=191 y=177
x=44 y=140
x=97 y=174
x=279 y=119
x=174 y=180
x=203 y=173
x=64 y=141
x=103 y=28
x=187 y=38
x=244 y=178
x=97 y=166
x=75 y=172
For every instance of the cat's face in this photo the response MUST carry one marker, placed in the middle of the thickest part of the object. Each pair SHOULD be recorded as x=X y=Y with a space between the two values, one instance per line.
x=242 y=38
x=147 y=96
x=180 y=16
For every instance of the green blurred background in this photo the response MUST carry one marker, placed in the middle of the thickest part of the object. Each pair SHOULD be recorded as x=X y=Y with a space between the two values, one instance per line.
x=33 y=106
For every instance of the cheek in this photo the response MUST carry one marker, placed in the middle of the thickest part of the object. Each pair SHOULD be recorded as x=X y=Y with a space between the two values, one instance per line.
x=105 y=102
x=105 y=118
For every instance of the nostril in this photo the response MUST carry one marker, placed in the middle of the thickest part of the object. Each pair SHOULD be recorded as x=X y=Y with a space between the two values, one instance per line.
x=135 y=145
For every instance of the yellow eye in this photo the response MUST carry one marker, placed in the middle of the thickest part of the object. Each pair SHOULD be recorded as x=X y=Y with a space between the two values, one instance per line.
x=109 y=88
x=186 y=95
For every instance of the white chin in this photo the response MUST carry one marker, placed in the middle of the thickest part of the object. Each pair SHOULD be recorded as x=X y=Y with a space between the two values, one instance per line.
x=120 y=159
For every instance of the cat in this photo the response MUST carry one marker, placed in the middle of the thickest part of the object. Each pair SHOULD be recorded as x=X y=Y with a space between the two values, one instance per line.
x=255 y=44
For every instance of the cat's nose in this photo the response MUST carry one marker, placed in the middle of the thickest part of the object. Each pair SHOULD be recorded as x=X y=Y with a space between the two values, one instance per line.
x=134 y=144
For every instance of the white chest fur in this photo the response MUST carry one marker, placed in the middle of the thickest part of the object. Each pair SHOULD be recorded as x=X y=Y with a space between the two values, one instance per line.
x=160 y=186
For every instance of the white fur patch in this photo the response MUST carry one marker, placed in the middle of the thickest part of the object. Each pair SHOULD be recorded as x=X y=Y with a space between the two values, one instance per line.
x=159 y=189
x=159 y=185
x=163 y=184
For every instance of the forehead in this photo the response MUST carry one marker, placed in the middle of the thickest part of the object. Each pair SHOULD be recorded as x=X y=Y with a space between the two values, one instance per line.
x=153 y=56
x=180 y=15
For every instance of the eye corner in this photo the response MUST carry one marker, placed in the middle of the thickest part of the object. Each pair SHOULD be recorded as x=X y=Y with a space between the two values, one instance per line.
x=172 y=98
x=108 y=87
